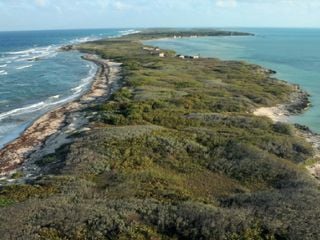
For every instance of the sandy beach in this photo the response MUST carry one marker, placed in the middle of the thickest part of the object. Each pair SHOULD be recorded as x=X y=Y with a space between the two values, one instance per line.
x=54 y=129
x=277 y=114
x=298 y=102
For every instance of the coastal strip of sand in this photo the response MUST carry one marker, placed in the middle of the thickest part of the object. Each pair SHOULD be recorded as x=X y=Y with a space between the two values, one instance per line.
x=53 y=129
x=277 y=114
x=299 y=102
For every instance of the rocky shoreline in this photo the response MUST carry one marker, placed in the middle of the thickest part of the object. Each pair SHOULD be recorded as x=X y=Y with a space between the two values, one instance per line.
x=298 y=103
x=54 y=129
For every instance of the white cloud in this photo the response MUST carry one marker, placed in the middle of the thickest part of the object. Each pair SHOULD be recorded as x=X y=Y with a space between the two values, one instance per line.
x=227 y=3
x=41 y=3
x=122 y=6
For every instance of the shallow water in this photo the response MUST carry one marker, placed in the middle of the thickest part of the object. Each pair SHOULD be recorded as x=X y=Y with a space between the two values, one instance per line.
x=293 y=53
x=35 y=77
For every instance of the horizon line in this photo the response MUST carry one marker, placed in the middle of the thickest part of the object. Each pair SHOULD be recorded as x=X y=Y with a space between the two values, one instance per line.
x=137 y=28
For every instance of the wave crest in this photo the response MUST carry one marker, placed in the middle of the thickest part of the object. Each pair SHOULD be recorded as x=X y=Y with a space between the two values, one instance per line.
x=23 y=67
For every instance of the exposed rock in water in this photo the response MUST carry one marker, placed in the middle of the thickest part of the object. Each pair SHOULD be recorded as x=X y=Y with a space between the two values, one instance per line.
x=67 y=48
x=270 y=71
x=302 y=128
x=299 y=102
x=265 y=71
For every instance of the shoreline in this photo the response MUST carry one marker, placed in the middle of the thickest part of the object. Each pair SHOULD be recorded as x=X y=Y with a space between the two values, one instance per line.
x=298 y=103
x=53 y=129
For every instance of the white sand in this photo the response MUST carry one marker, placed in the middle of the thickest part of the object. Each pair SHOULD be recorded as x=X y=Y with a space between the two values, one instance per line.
x=277 y=113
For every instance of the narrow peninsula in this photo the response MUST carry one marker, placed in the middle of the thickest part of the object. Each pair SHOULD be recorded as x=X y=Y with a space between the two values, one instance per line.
x=172 y=151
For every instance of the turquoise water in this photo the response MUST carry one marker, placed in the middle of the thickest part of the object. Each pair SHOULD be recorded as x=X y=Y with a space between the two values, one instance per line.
x=36 y=77
x=293 y=53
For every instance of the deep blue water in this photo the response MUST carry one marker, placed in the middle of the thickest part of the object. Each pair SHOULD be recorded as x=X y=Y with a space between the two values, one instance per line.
x=293 y=53
x=35 y=77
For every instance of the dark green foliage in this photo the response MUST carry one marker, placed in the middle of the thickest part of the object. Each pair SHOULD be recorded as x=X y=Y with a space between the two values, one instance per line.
x=283 y=128
x=167 y=32
x=5 y=202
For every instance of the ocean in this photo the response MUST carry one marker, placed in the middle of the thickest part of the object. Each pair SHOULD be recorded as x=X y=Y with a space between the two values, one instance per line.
x=36 y=77
x=293 y=53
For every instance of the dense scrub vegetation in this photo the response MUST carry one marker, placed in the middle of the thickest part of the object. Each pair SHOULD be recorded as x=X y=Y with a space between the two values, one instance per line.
x=174 y=154
x=184 y=32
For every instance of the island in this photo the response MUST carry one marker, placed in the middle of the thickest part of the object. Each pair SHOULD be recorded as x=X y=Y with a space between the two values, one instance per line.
x=163 y=147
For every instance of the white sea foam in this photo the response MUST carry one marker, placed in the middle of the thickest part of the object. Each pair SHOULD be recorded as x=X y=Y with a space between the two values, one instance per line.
x=40 y=106
x=84 y=39
x=44 y=54
x=51 y=101
x=9 y=59
x=23 y=59
x=85 y=81
x=3 y=72
x=33 y=50
x=101 y=36
x=31 y=54
x=18 y=111
x=55 y=97
x=23 y=67
x=78 y=89
x=37 y=53
x=28 y=51
x=127 y=32
x=64 y=100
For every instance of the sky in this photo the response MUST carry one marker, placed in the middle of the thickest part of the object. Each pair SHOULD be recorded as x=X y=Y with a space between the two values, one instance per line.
x=77 y=14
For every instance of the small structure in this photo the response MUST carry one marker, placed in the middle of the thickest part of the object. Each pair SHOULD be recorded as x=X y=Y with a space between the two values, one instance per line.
x=162 y=55
x=188 y=57
x=157 y=49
